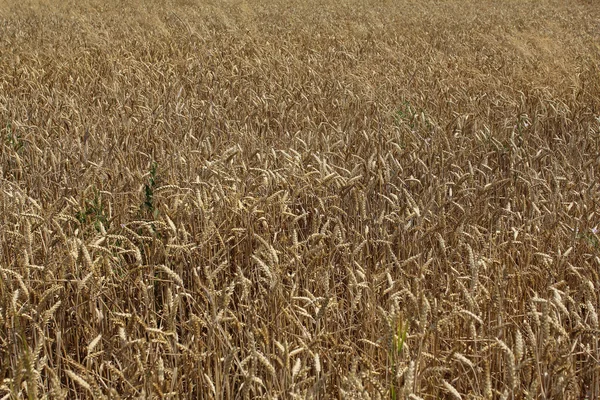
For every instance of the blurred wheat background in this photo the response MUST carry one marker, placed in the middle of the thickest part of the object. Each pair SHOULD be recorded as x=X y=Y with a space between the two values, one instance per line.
x=299 y=199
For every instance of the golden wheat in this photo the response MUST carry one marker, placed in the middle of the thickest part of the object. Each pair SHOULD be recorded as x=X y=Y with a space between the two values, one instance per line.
x=299 y=199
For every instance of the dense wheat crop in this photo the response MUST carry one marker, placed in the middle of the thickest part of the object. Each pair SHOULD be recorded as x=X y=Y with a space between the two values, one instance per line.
x=300 y=199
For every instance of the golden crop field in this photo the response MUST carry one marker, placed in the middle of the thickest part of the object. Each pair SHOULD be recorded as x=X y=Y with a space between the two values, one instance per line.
x=301 y=199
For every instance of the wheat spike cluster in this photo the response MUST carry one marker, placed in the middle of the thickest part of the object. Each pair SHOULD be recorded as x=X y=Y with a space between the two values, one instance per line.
x=271 y=199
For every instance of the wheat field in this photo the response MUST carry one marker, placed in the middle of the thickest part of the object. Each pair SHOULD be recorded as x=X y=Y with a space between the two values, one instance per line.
x=272 y=199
